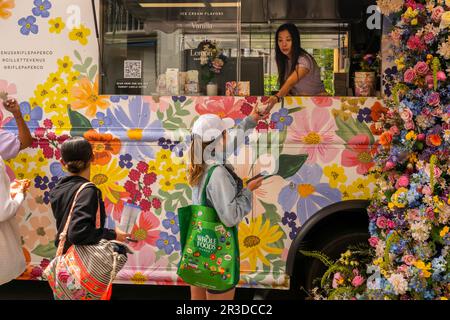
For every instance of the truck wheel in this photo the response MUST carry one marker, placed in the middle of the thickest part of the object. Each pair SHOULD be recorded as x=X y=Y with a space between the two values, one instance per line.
x=332 y=244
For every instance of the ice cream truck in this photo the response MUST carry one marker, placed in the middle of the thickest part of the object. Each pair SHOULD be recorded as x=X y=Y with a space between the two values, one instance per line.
x=56 y=60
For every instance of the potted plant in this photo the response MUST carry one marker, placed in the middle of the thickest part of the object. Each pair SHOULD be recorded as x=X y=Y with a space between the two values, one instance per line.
x=365 y=80
x=212 y=61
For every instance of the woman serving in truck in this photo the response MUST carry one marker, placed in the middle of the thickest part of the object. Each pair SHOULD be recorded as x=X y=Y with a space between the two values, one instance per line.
x=298 y=72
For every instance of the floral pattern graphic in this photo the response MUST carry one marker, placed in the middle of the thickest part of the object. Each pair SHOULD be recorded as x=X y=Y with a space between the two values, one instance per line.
x=141 y=158
x=28 y=25
x=5 y=7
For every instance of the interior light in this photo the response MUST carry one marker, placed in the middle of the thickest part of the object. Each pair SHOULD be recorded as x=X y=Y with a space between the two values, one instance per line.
x=172 y=5
x=189 y=5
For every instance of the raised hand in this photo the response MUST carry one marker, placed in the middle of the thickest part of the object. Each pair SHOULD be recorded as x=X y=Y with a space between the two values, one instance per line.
x=12 y=106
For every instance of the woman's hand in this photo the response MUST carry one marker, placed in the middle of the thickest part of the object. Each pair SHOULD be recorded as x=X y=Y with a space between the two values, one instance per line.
x=122 y=236
x=19 y=186
x=255 y=184
x=12 y=106
x=257 y=115
x=270 y=103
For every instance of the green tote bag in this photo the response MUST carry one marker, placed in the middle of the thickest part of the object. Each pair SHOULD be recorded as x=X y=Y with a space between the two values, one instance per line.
x=210 y=250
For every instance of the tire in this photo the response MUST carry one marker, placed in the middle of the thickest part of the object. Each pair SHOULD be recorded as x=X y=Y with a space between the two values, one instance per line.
x=333 y=249
x=336 y=242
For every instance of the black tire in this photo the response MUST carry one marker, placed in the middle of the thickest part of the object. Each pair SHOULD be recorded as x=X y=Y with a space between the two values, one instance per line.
x=333 y=249
x=330 y=241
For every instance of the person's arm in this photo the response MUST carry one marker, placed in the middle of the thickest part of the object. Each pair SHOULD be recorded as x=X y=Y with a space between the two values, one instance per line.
x=221 y=192
x=8 y=206
x=299 y=73
x=24 y=132
x=82 y=229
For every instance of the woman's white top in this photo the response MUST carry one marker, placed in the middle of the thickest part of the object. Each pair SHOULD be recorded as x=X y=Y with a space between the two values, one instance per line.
x=12 y=260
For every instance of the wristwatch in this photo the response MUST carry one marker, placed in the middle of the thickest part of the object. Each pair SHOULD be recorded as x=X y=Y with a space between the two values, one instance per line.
x=278 y=97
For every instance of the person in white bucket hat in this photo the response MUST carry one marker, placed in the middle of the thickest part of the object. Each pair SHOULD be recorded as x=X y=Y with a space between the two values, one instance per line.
x=225 y=191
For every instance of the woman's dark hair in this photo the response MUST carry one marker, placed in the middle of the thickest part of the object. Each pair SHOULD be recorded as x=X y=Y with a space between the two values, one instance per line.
x=297 y=51
x=77 y=154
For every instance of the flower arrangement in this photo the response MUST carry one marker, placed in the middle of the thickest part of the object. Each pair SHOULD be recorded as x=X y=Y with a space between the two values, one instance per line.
x=345 y=278
x=212 y=60
x=410 y=213
x=370 y=62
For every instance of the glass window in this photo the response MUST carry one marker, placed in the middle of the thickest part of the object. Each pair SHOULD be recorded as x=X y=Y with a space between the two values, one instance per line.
x=169 y=47
x=174 y=47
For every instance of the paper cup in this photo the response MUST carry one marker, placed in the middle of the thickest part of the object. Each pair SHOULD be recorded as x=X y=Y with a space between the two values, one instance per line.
x=129 y=217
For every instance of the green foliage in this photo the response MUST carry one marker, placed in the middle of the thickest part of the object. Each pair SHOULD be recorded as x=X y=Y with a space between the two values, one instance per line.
x=46 y=251
x=80 y=124
x=85 y=68
x=318 y=255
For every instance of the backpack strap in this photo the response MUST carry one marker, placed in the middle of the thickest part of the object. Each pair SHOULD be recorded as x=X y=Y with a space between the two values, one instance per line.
x=208 y=177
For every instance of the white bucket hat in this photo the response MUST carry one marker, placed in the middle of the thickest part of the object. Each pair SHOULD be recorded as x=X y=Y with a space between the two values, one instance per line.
x=210 y=126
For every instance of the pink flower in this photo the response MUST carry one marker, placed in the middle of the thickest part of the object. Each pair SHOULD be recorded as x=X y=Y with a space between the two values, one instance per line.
x=426 y=190
x=141 y=266
x=322 y=101
x=441 y=76
x=434 y=99
x=391 y=224
x=358 y=154
x=382 y=222
x=437 y=14
x=314 y=130
x=337 y=280
x=224 y=107
x=403 y=181
x=394 y=130
x=430 y=81
x=429 y=37
x=150 y=178
x=409 y=259
x=406 y=115
x=389 y=165
x=373 y=241
x=357 y=281
x=146 y=230
x=410 y=75
x=156 y=203
x=403 y=268
x=421 y=68
x=63 y=276
x=430 y=213
x=415 y=43
x=157 y=104
x=115 y=209
x=421 y=137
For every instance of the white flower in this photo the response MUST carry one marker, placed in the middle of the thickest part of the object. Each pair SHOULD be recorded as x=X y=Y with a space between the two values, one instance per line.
x=388 y=7
x=444 y=49
x=381 y=245
x=399 y=283
x=444 y=215
x=420 y=231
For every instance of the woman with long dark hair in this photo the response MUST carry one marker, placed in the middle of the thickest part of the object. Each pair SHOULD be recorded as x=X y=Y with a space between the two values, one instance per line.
x=298 y=72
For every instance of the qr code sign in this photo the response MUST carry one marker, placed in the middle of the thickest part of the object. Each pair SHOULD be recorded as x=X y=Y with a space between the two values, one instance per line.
x=132 y=69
